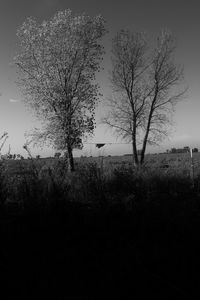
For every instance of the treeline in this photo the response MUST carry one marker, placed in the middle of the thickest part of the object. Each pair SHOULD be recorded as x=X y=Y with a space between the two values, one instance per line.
x=182 y=150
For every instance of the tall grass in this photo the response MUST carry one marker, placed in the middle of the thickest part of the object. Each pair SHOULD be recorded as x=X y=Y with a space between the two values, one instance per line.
x=123 y=213
x=43 y=186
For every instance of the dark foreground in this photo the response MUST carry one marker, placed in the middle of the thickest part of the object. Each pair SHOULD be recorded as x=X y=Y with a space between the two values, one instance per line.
x=99 y=254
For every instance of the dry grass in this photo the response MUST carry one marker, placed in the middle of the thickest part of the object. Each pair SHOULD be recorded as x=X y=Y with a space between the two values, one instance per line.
x=106 y=224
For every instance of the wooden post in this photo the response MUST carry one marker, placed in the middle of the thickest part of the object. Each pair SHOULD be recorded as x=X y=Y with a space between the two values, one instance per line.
x=192 y=168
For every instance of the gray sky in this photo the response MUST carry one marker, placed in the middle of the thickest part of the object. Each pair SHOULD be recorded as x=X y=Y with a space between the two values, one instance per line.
x=180 y=17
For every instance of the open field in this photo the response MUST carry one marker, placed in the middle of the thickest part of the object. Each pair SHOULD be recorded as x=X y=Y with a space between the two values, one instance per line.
x=106 y=229
x=177 y=163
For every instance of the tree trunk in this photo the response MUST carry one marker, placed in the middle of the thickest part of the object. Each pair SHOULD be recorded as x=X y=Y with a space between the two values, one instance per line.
x=70 y=159
x=148 y=126
x=143 y=152
x=146 y=138
x=134 y=147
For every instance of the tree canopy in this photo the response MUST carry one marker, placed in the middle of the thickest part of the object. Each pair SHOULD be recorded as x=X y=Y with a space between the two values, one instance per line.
x=57 y=65
x=146 y=88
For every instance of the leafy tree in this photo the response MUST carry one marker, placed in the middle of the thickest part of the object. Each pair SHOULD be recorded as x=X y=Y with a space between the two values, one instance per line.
x=145 y=89
x=57 y=155
x=57 y=65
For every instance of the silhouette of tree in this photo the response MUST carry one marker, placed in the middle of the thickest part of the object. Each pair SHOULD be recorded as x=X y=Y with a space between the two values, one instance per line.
x=57 y=155
x=57 y=65
x=145 y=90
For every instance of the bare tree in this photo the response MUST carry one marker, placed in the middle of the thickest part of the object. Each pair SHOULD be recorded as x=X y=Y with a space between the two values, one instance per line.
x=145 y=89
x=58 y=62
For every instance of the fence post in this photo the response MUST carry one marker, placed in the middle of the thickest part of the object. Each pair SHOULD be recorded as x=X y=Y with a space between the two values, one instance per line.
x=192 y=168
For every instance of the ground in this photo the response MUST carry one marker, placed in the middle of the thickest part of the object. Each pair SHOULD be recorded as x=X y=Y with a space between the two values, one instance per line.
x=80 y=239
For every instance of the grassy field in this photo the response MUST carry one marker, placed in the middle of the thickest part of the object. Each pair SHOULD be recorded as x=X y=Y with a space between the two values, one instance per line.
x=180 y=161
x=177 y=163
x=106 y=228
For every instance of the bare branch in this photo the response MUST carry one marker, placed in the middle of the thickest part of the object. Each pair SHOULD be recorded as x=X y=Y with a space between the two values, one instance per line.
x=145 y=89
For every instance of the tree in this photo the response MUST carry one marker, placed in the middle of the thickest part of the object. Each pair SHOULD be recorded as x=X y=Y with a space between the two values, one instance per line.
x=145 y=89
x=57 y=155
x=173 y=150
x=57 y=65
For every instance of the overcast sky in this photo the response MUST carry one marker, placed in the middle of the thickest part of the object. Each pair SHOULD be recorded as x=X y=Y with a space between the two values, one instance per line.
x=180 y=17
